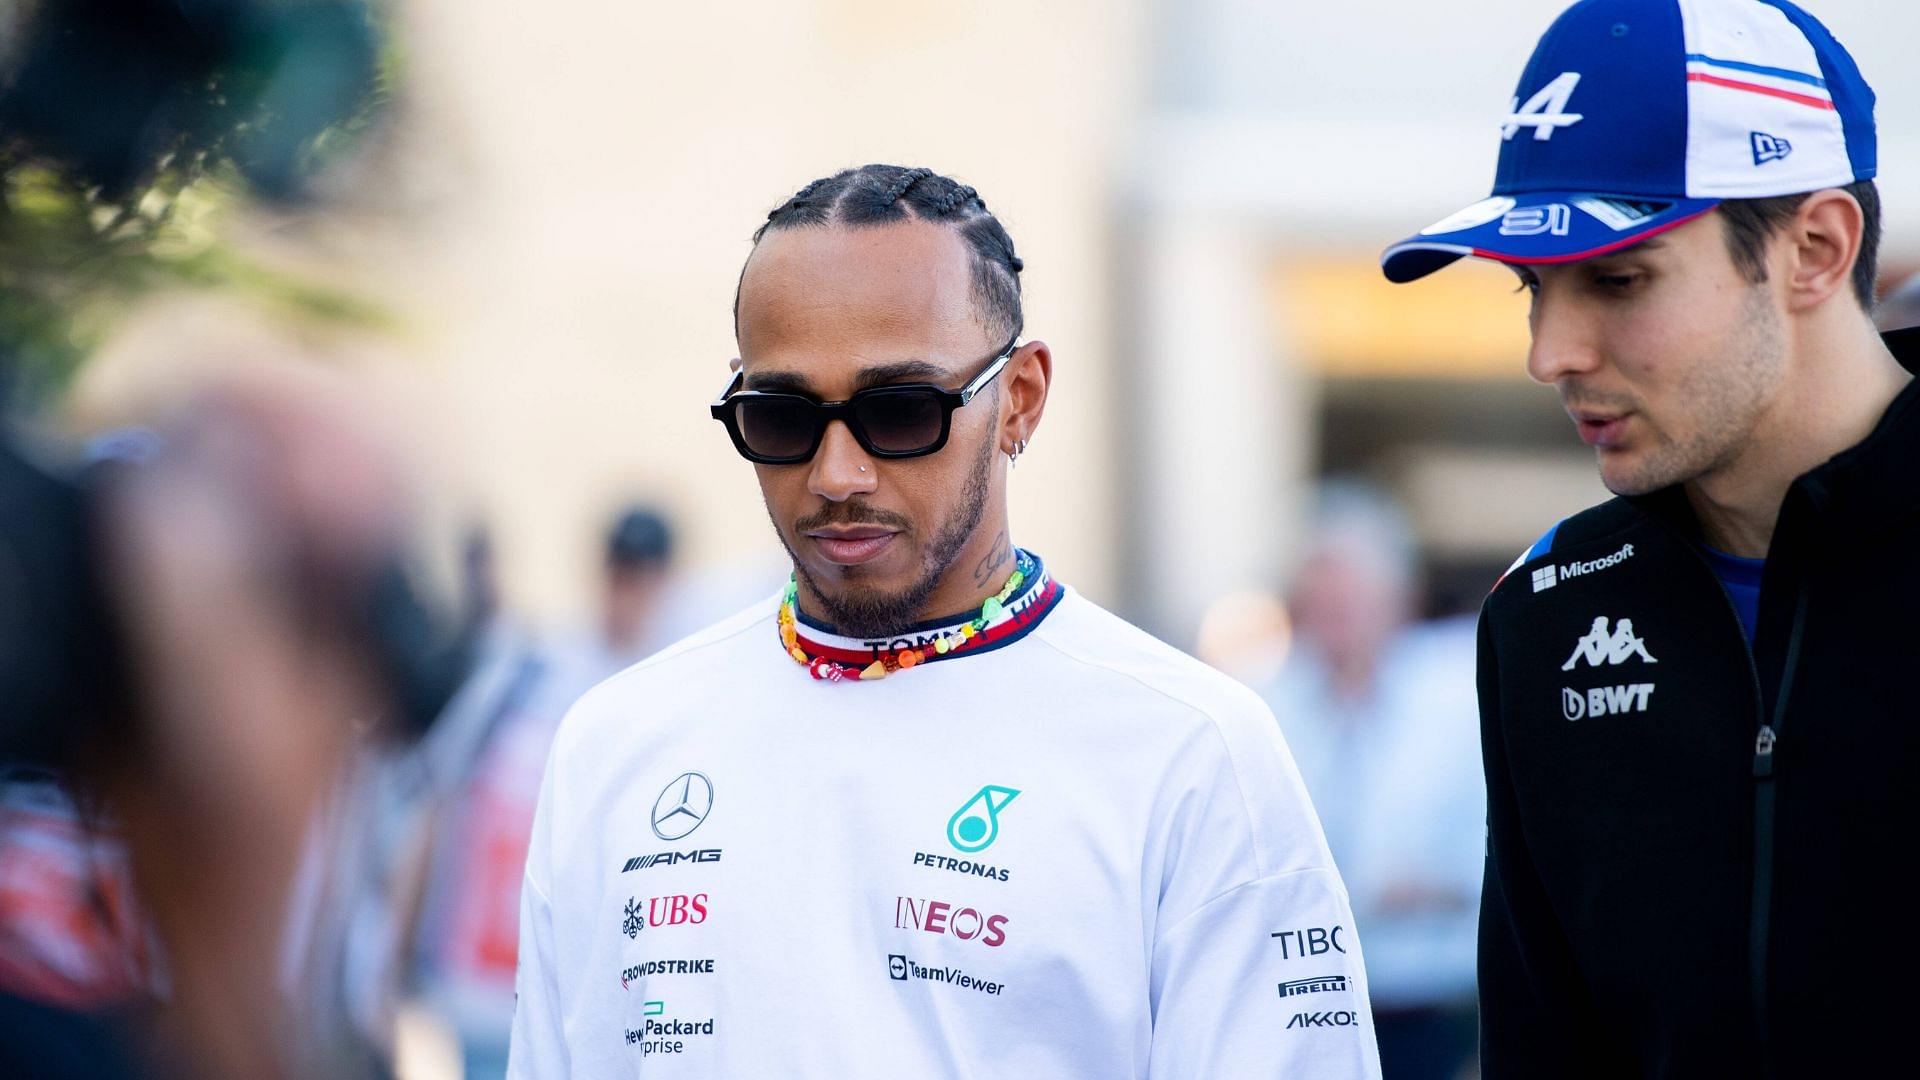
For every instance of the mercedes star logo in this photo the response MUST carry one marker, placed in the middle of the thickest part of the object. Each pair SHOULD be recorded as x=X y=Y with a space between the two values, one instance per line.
x=682 y=806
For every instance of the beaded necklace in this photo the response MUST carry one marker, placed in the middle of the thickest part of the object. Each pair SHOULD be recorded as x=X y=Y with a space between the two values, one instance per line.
x=900 y=659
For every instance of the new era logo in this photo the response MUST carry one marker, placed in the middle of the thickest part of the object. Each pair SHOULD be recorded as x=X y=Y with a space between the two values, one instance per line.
x=1768 y=147
x=1544 y=578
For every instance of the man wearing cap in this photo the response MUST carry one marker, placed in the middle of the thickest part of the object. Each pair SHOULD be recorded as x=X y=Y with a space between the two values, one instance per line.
x=1697 y=720
x=925 y=811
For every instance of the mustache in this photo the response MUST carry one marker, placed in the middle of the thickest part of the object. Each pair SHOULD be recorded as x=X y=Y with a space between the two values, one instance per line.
x=1574 y=396
x=853 y=514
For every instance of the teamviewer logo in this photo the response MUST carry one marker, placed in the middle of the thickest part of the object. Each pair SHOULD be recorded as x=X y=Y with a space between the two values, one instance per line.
x=1544 y=578
x=897 y=967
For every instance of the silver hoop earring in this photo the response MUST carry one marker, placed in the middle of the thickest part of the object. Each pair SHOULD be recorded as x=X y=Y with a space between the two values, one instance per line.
x=1013 y=459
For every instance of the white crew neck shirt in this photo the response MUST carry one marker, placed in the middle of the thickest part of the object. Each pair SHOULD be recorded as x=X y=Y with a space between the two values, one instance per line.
x=1079 y=854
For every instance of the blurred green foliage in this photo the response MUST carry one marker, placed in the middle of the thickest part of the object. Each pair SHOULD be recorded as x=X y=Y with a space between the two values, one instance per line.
x=132 y=132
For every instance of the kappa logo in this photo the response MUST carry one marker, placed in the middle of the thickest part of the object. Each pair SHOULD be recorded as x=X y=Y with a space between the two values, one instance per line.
x=1768 y=147
x=1602 y=649
x=1546 y=111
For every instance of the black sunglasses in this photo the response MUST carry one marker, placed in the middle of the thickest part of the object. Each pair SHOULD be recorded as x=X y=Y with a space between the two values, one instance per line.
x=903 y=421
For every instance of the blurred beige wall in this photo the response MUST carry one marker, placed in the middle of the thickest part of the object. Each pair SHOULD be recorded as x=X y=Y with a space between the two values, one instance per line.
x=600 y=167
x=570 y=189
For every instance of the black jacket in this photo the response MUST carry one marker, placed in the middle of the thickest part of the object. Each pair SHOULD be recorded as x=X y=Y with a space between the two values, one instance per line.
x=1698 y=855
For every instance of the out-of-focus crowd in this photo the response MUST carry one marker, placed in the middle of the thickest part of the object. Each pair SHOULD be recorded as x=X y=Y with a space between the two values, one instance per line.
x=252 y=841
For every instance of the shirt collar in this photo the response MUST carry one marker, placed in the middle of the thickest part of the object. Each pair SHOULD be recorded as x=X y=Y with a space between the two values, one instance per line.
x=1018 y=616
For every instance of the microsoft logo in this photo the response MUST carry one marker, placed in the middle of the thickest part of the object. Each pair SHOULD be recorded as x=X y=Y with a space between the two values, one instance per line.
x=1544 y=578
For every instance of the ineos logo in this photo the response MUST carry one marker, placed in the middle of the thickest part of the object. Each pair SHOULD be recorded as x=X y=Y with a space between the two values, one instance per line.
x=685 y=803
x=940 y=917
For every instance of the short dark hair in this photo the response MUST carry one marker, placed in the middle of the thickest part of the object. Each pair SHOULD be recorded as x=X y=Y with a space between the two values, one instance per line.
x=882 y=194
x=1751 y=223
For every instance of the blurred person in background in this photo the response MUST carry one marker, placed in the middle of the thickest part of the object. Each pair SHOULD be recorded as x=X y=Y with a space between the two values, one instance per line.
x=924 y=811
x=1900 y=308
x=466 y=940
x=1379 y=712
x=635 y=592
x=1696 y=709
x=241 y=648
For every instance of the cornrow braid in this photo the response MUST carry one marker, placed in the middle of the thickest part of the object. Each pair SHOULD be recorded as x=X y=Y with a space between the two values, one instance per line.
x=802 y=204
x=957 y=198
x=882 y=194
x=905 y=183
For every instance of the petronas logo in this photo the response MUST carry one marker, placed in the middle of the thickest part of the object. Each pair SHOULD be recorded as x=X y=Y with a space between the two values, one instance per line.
x=976 y=825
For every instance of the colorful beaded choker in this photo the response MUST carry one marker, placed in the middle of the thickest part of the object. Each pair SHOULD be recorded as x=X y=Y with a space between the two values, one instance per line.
x=1026 y=597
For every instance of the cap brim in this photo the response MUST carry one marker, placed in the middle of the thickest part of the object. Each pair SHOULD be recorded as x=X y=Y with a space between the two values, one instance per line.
x=1538 y=227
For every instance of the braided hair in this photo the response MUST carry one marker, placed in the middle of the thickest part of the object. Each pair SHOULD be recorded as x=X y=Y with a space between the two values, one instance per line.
x=882 y=194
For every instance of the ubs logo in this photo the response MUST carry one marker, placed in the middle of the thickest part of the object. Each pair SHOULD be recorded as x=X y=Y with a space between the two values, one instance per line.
x=682 y=806
x=676 y=910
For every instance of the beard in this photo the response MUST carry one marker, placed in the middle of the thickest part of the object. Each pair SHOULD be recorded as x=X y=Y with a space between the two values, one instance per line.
x=1727 y=394
x=862 y=611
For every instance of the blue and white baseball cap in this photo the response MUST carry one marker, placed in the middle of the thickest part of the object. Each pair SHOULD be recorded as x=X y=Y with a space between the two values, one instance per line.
x=1637 y=116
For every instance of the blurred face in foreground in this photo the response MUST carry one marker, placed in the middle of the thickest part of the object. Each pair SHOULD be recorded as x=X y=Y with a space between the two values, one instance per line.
x=1666 y=357
x=878 y=543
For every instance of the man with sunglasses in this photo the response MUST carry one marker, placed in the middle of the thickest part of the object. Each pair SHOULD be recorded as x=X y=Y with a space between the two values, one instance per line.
x=926 y=811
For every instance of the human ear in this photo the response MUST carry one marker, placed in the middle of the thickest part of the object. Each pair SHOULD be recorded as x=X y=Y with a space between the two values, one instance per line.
x=1029 y=375
x=1823 y=242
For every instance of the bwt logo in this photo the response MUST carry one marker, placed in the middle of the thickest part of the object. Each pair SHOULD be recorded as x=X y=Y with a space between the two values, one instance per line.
x=1315 y=941
x=939 y=917
x=1605 y=701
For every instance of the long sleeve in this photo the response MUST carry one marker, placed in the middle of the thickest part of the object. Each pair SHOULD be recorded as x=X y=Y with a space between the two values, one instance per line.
x=1536 y=1018
x=1264 y=981
x=1256 y=963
